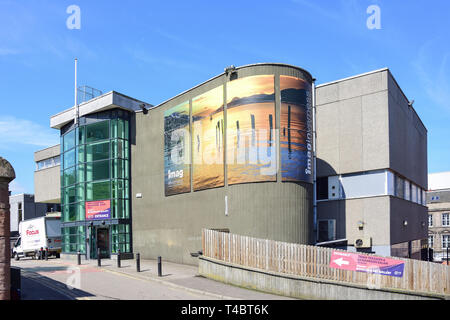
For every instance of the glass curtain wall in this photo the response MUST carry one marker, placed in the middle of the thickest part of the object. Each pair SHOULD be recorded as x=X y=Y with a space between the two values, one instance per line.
x=95 y=166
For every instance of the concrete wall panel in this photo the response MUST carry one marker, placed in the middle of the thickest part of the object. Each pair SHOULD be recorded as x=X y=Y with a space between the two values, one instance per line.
x=47 y=185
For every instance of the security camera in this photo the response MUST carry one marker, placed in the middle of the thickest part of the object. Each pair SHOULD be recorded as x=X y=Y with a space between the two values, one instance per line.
x=230 y=69
x=144 y=109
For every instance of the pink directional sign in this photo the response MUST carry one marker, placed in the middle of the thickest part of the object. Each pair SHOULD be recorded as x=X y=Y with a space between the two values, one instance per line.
x=365 y=263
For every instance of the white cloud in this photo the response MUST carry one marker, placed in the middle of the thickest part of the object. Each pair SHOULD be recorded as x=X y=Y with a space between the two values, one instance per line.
x=7 y=51
x=433 y=69
x=155 y=60
x=15 y=131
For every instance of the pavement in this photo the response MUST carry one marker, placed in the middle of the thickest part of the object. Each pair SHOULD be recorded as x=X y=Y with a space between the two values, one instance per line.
x=64 y=279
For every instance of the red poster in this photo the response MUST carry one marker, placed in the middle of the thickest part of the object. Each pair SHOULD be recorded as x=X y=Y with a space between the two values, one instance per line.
x=366 y=263
x=98 y=210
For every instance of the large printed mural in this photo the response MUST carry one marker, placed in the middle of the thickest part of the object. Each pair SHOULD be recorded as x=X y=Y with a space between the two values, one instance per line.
x=251 y=151
x=296 y=130
x=251 y=135
x=207 y=140
x=177 y=175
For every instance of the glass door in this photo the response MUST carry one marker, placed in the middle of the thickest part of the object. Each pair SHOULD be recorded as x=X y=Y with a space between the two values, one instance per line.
x=103 y=242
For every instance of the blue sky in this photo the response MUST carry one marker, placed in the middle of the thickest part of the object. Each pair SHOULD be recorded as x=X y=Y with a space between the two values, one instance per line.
x=153 y=50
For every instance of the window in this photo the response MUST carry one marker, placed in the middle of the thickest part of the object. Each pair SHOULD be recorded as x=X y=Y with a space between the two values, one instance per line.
x=120 y=189
x=69 y=159
x=97 y=151
x=81 y=135
x=97 y=170
x=20 y=211
x=407 y=190
x=119 y=149
x=73 y=239
x=120 y=169
x=445 y=220
x=69 y=195
x=430 y=241
x=326 y=230
x=120 y=209
x=445 y=241
x=69 y=140
x=48 y=163
x=120 y=236
x=98 y=191
x=97 y=131
x=70 y=213
x=399 y=187
x=69 y=176
x=365 y=184
x=430 y=220
x=322 y=188
x=413 y=193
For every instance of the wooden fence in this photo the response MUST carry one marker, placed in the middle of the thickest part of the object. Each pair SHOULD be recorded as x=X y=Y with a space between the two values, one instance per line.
x=311 y=261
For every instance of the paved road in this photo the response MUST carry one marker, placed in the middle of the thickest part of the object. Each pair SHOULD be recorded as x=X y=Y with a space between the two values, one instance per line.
x=49 y=280
x=33 y=289
x=62 y=280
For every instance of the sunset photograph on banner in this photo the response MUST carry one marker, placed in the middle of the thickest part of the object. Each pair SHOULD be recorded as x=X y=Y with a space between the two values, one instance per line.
x=207 y=140
x=251 y=142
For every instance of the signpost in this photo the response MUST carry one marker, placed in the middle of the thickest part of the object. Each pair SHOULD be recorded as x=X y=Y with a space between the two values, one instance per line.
x=366 y=263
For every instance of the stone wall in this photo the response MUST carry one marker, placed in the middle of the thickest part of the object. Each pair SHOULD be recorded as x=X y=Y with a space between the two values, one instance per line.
x=7 y=174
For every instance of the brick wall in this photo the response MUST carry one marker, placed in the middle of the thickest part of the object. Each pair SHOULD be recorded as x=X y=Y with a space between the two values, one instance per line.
x=7 y=174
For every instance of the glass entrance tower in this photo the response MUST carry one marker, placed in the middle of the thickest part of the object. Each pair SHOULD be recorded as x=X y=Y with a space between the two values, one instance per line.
x=95 y=184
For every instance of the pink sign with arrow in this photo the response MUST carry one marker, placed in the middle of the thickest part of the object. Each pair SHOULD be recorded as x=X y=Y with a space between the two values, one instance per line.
x=367 y=263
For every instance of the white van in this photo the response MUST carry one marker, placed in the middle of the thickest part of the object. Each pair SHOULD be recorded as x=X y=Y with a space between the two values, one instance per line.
x=37 y=233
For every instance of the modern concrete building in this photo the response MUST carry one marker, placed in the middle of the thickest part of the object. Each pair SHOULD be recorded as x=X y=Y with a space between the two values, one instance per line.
x=236 y=153
x=47 y=180
x=438 y=201
x=371 y=166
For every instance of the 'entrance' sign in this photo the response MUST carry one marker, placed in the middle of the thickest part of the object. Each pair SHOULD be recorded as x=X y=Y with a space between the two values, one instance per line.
x=98 y=210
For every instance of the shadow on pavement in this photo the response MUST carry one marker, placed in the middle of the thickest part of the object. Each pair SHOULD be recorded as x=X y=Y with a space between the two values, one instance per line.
x=38 y=287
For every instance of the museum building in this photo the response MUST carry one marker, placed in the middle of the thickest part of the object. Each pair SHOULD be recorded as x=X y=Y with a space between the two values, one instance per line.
x=236 y=153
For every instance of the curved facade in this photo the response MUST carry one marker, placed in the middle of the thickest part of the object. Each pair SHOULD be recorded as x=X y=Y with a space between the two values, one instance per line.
x=232 y=153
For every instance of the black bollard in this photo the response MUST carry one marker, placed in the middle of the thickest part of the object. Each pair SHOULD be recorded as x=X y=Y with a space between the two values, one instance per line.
x=159 y=267
x=79 y=257
x=99 y=261
x=138 y=262
x=118 y=258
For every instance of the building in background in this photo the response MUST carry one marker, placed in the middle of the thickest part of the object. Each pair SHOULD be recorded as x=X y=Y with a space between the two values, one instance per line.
x=235 y=153
x=438 y=201
x=24 y=207
x=371 y=167
x=47 y=180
